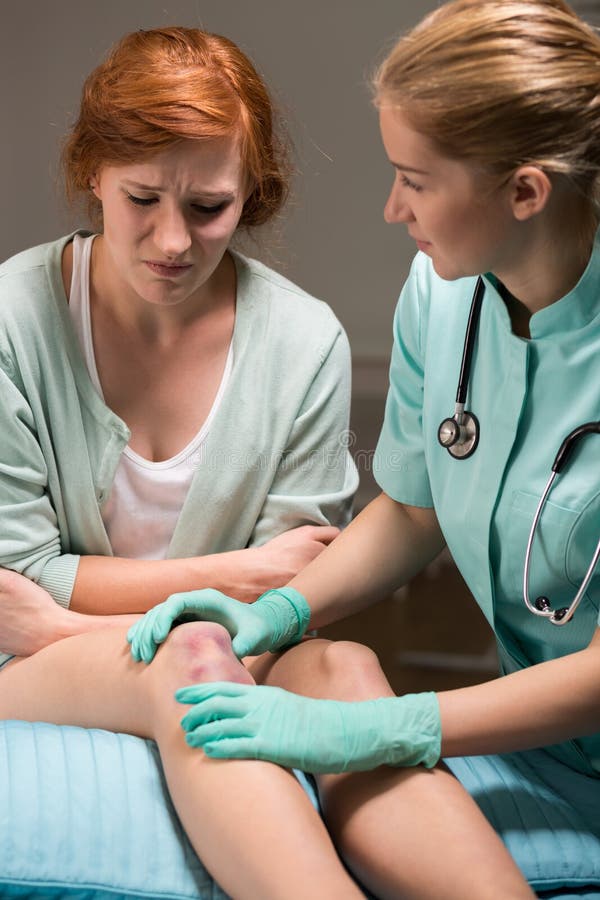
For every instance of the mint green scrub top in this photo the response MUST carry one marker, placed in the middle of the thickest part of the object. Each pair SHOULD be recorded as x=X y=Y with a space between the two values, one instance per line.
x=527 y=395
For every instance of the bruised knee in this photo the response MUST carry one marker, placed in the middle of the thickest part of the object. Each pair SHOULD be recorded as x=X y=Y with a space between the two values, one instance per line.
x=200 y=652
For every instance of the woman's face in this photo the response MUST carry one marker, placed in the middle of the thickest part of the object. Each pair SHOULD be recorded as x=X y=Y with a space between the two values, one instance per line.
x=168 y=221
x=451 y=212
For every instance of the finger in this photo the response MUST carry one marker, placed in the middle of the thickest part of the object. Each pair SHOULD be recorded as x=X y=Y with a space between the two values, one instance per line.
x=132 y=638
x=132 y=630
x=325 y=534
x=204 y=595
x=212 y=710
x=140 y=639
x=232 y=748
x=221 y=610
x=147 y=644
x=161 y=624
x=242 y=646
x=192 y=599
x=196 y=693
x=214 y=732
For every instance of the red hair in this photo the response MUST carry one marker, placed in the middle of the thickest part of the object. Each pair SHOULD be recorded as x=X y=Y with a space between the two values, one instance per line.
x=165 y=85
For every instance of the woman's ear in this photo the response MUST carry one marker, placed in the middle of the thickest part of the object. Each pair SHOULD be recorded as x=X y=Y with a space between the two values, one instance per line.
x=95 y=186
x=530 y=190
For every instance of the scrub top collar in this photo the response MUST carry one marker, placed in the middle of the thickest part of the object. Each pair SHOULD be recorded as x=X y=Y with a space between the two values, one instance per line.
x=575 y=310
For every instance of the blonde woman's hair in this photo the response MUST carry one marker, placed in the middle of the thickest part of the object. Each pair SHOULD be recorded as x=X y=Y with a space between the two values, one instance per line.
x=503 y=83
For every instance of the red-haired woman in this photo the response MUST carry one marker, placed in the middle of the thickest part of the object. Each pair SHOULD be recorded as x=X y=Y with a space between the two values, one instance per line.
x=171 y=419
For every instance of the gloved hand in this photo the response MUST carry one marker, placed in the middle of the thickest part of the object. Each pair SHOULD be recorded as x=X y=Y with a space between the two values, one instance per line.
x=277 y=619
x=238 y=721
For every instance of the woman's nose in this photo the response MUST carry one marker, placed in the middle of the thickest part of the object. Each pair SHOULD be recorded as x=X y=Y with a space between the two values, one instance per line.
x=396 y=208
x=172 y=234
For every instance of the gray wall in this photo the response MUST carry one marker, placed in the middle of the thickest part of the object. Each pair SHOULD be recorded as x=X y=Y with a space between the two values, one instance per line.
x=316 y=56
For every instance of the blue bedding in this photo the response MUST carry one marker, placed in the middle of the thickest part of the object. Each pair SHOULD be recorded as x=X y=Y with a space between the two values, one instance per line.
x=85 y=815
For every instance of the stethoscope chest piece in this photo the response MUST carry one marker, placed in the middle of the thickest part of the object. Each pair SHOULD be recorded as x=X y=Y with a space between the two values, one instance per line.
x=459 y=434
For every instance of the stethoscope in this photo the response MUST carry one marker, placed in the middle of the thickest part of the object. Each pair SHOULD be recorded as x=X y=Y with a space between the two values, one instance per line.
x=459 y=434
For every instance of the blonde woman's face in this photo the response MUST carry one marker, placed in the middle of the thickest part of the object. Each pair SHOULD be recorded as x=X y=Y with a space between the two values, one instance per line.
x=449 y=209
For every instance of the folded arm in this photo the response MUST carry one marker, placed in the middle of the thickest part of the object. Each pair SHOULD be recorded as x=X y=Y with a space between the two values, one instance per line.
x=110 y=585
x=290 y=531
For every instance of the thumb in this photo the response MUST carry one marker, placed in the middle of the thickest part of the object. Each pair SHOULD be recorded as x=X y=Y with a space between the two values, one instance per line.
x=242 y=646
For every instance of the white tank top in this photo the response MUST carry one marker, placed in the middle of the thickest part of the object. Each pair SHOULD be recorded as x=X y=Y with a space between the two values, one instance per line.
x=146 y=498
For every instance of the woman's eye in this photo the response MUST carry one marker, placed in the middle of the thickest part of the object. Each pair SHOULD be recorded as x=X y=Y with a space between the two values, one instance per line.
x=410 y=184
x=141 y=201
x=196 y=207
x=209 y=210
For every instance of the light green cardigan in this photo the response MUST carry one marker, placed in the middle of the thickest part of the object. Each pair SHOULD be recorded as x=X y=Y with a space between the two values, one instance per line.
x=274 y=457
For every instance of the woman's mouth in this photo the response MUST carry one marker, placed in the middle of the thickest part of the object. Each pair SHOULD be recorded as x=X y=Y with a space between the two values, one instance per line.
x=168 y=270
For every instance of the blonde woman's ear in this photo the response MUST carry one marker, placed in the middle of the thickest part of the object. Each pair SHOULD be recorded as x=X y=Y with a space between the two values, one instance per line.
x=530 y=191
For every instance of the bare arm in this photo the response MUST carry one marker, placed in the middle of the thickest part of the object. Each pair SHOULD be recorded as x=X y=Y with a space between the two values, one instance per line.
x=542 y=705
x=382 y=549
x=30 y=618
x=112 y=586
x=539 y=706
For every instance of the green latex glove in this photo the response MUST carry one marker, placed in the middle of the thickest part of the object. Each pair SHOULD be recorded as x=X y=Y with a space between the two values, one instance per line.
x=277 y=619
x=240 y=721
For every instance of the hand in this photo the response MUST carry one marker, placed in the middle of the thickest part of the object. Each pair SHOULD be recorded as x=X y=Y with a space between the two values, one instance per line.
x=236 y=721
x=30 y=619
x=281 y=558
x=278 y=618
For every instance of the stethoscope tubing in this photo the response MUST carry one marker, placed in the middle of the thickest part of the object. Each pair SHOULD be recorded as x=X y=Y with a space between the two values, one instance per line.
x=459 y=435
x=469 y=345
x=565 y=614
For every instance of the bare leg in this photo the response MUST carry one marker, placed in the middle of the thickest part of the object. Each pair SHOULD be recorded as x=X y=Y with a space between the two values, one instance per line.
x=410 y=833
x=251 y=823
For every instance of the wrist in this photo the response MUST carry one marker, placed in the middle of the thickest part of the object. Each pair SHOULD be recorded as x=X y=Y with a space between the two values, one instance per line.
x=71 y=623
x=413 y=730
x=289 y=615
x=236 y=573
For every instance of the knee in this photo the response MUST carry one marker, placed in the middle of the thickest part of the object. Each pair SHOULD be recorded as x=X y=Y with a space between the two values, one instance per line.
x=201 y=651
x=353 y=671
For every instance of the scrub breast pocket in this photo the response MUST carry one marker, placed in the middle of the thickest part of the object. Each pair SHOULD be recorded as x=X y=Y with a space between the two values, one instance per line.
x=562 y=549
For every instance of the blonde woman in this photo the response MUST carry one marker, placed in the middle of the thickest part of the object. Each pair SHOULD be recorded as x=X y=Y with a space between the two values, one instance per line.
x=490 y=118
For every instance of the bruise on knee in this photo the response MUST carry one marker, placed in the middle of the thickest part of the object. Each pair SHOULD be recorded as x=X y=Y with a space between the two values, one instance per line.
x=201 y=651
